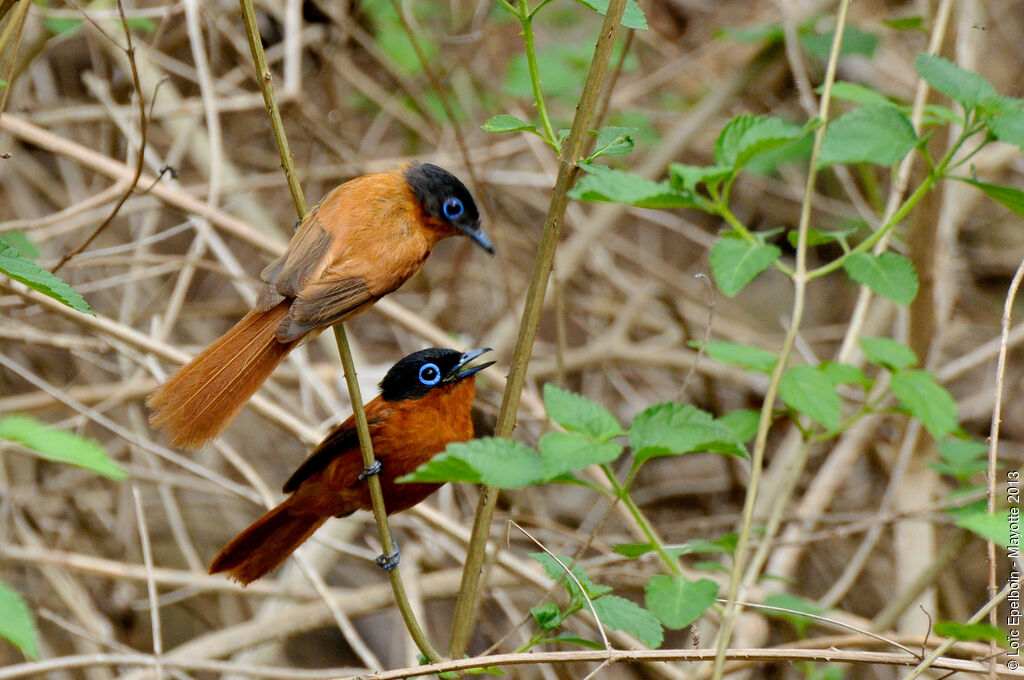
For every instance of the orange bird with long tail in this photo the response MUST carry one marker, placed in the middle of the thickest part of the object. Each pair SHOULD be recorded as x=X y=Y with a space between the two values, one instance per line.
x=424 y=404
x=364 y=240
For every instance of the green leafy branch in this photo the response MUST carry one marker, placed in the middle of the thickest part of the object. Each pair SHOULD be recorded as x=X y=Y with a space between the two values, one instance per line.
x=589 y=438
x=877 y=132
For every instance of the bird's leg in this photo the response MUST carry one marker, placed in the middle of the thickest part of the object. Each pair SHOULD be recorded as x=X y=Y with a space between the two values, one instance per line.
x=371 y=471
x=390 y=561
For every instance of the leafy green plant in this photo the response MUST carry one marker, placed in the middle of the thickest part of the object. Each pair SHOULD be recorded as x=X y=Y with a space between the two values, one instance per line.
x=591 y=431
x=22 y=269
x=16 y=623
x=60 y=446
x=876 y=132
x=822 y=399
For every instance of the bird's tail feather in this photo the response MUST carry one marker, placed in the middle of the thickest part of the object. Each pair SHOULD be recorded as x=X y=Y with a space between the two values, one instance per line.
x=199 y=401
x=265 y=544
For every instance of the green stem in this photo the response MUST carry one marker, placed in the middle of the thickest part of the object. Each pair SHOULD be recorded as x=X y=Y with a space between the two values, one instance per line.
x=800 y=280
x=741 y=229
x=526 y=18
x=938 y=172
x=348 y=365
x=867 y=243
x=266 y=82
x=623 y=494
x=10 y=39
x=380 y=515
x=465 y=604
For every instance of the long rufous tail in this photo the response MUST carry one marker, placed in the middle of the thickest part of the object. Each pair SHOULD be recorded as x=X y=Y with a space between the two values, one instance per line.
x=199 y=401
x=266 y=543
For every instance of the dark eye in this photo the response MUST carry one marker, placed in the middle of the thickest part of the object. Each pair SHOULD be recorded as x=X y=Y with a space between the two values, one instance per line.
x=429 y=374
x=452 y=208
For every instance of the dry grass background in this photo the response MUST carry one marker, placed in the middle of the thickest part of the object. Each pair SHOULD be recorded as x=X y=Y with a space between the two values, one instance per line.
x=179 y=263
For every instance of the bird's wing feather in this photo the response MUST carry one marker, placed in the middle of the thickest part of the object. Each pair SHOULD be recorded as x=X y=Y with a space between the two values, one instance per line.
x=330 y=299
x=343 y=441
x=304 y=258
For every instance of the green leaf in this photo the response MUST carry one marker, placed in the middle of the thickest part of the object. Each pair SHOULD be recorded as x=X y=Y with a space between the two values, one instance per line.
x=807 y=390
x=556 y=573
x=961 y=458
x=613 y=141
x=576 y=413
x=60 y=446
x=911 y=23
x=1010 y=197
x=35 y=277
x=889 y=274
x=879 y=134
x=504 y=122
x=567 y=638
x=687 y=177
x=548 y=616
x=815 y=237
x=18 y=240
x=61 y=25
x=995 y=528
x=724 y=545
x=855 y=42
x=919 y=393
x=797 y=604
x=745 y=356
x=678 y=602
x=844 y=374
x=736 y=262
x=495 y=462
x=742 y=423
x=603 y=184
x=141 y=24
x=728 y=144
x=16 y=624
x=888 y=353
x=632 y=16
x=936 y=114
x=984 y=632
x=1009 y=126
x=966 y=87
x=563 y=452
x=858 y=94
x=673 y=428
x=619 y=613
x=764 y=134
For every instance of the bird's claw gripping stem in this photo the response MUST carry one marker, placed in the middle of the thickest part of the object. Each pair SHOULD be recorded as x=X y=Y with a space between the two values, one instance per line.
x=390 y=561
x=370 y=471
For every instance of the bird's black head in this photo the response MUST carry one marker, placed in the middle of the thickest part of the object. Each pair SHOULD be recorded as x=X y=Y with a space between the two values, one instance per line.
x=447 y=200
x=417 y=374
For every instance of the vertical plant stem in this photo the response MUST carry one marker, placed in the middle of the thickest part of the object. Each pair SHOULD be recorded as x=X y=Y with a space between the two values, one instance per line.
x=731 y=610
x=465 y=605
x=10 y=39
x=348 y=365
x=377 y=497
x=266 y=81
x=531 y=62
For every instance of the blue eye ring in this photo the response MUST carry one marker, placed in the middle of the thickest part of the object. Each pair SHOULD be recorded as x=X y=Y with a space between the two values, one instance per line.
x=430 y=374
x=452 y=208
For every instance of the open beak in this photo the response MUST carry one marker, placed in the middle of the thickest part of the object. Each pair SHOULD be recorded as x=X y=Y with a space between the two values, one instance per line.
x=462 y=370
x=479 y=237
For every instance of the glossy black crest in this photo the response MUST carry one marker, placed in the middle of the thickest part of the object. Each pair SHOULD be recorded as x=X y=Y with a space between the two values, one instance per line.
x=403 y=379
x=433 y=185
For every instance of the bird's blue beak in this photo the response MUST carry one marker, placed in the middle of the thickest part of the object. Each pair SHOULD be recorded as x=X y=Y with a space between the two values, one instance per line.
x=462 y=370
x=479 y=237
